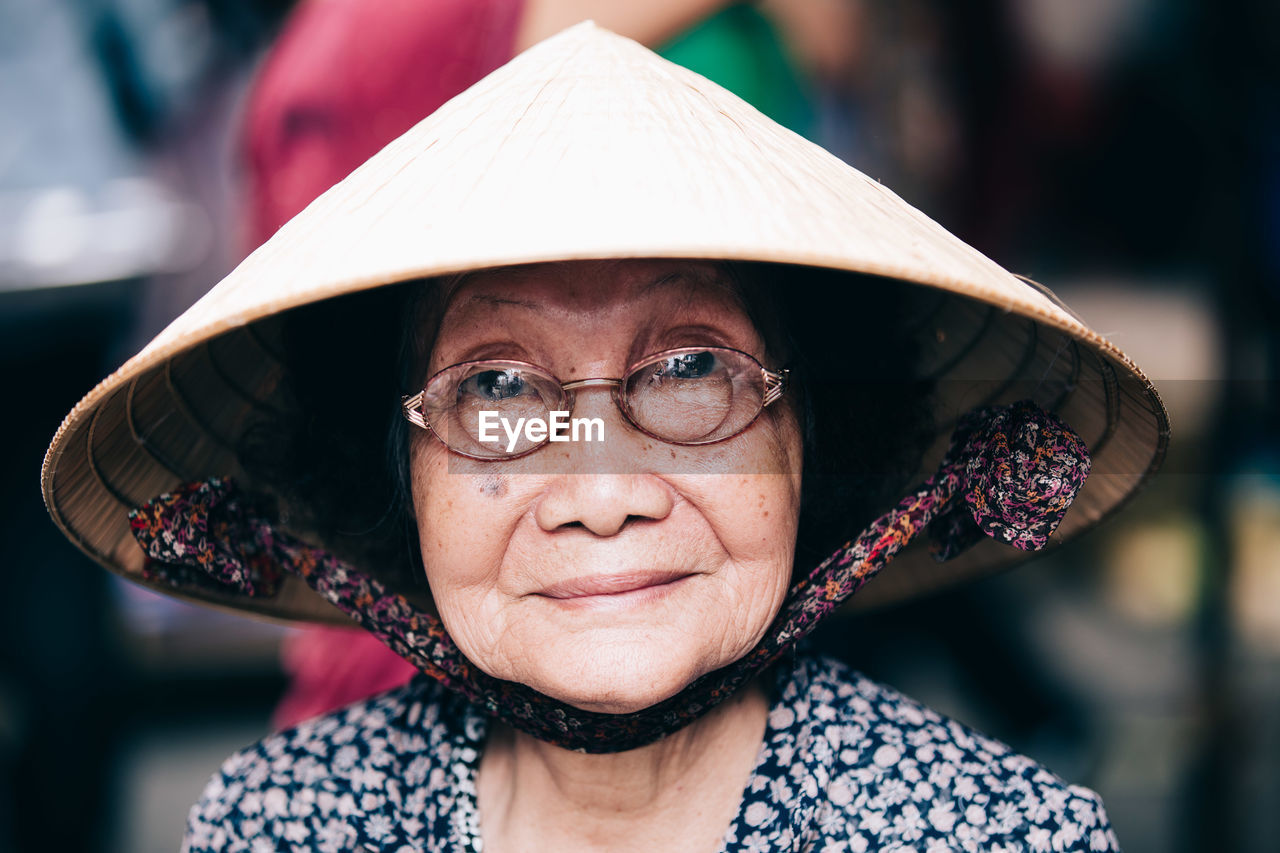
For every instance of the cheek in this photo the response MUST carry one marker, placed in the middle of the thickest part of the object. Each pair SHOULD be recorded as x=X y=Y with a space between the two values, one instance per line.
x=757 y=526
x=755 y=517
x=766 y=500
x=761 y=515
x=464 y=520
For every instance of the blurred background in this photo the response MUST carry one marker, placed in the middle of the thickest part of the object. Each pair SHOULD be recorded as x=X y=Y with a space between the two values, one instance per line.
x=1126 y=152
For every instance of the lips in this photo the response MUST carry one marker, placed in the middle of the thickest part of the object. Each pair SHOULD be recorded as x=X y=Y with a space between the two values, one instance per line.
x=611 y=585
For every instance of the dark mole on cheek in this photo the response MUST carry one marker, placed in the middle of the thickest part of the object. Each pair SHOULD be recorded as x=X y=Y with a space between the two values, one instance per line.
x=493 y=485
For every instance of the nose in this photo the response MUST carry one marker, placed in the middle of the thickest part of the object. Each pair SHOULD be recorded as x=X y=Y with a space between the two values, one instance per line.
x=603 y=486
x=603 y=503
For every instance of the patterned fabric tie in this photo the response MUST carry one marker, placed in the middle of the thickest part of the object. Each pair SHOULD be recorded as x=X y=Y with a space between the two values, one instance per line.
x=1010 y=473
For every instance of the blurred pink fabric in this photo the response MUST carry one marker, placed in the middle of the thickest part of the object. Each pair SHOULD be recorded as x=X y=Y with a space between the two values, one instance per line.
x=345 y=78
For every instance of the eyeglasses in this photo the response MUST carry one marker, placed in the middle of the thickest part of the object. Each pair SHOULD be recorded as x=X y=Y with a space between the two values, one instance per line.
x=686 y=396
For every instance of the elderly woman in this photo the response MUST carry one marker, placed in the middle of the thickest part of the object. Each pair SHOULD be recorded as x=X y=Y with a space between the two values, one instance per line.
x=578 y=396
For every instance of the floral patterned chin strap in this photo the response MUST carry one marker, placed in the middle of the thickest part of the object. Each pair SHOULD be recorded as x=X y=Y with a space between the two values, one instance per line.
x=1010 y=473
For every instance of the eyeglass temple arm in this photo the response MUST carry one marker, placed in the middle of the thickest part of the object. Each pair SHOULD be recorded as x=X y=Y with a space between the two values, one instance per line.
x=775 y=384
x=412 y=407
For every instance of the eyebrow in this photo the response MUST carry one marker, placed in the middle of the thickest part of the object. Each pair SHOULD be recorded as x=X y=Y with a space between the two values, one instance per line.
x=713 y=280
x=661 y=280
x=493 y=299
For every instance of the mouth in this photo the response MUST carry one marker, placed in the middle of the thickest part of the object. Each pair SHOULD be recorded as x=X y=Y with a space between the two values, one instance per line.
x=619 y=588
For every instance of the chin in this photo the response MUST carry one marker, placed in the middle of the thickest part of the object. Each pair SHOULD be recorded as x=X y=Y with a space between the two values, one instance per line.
x=615 y=681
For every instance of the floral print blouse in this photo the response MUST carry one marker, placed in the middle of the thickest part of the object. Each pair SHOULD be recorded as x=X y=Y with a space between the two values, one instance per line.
x=846 y=765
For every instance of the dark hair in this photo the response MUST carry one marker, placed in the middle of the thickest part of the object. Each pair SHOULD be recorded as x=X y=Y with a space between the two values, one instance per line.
x=865 y=417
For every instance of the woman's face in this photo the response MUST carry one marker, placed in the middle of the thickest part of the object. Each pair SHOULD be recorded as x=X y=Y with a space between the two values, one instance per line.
x=610 y=574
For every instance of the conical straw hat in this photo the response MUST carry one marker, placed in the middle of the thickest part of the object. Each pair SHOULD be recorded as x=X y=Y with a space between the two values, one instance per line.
x=590 y=146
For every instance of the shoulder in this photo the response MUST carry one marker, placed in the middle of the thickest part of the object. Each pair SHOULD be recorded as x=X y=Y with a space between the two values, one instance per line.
x=366 y=772
x=894 y=772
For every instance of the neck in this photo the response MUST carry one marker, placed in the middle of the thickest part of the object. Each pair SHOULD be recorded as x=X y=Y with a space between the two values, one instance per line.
x=680 y=793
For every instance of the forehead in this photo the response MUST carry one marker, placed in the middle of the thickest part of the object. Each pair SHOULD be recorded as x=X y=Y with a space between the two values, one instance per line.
x=597 y=287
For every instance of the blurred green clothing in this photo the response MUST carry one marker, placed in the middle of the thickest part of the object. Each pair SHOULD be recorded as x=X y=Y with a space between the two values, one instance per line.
x=741 y=50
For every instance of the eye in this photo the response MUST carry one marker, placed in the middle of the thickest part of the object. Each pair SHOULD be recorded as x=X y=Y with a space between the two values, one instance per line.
x=691 y=365
x=686 y=397
x=494 y=385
